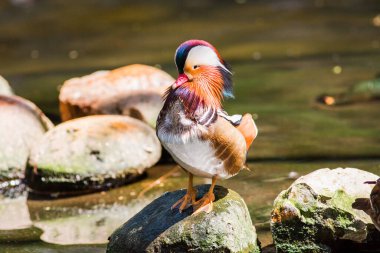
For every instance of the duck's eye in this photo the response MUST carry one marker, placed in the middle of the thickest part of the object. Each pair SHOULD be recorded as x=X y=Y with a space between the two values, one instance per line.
x=195 y=66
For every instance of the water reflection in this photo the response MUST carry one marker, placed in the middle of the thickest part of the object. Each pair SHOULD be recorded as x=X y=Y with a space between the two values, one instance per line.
x=22 y=3
x=364 y=91
x=8 y=209
x=89 y=227
x=90 y=219
x=15 y=222
x=284 y=54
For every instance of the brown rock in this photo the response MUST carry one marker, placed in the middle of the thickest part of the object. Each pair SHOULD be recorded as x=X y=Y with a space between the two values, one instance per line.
x=134 y=90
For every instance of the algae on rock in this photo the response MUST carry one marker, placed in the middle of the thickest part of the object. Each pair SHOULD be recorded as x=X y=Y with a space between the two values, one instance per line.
x=316 y=212
x=157 y=228
x=90 y=154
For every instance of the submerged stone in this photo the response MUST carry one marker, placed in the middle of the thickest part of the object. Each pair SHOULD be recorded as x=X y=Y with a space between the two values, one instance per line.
x=134 y=90
x=22 y=125
x=5 y=89
x=90 y=154
x=157 y=228
x=315 y=213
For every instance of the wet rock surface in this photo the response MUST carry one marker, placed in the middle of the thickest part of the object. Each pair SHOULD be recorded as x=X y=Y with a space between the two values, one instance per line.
x=135 y=90
x=91 y=154
x=22 y=125
x=315 y=213
x=157 y=228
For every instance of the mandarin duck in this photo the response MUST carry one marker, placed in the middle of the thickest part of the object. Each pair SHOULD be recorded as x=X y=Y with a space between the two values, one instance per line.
x=371 y=205
x=193 y=127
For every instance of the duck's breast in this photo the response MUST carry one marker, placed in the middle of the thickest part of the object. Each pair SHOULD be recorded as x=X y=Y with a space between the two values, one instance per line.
x=198 y=157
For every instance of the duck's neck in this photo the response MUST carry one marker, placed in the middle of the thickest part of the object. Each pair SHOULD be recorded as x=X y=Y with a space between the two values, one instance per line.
x=198 y=96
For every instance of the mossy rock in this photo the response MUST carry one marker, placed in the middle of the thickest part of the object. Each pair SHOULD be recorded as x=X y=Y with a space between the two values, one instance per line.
x=91 y=154
x=134 y=90
x=157 y=228
x=315 y=213
x=22 y=125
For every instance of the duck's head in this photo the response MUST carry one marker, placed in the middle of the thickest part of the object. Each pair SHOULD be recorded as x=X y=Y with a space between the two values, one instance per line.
x=201 y=69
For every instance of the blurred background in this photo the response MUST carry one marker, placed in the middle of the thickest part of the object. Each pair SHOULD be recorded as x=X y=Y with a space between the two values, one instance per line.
x=307 y=70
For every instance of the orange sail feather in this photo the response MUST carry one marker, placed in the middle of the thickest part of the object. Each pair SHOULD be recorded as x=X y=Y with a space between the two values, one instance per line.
x=248 y=129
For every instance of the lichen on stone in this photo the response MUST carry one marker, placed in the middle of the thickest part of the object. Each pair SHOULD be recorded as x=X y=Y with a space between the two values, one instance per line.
x=316 y=211
x=157 y=228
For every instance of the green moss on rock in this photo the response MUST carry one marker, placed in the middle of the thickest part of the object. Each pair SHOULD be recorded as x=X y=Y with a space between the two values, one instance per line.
x=157 y=228
x=316 y=212
x=91 y=154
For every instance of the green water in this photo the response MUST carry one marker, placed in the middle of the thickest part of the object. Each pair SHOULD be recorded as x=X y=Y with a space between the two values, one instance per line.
x=284 y=54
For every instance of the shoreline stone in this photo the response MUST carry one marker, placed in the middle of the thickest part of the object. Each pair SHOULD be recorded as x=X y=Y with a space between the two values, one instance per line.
x=315 y=213
x=90 y=154
x=157 y=228
x=22 y=125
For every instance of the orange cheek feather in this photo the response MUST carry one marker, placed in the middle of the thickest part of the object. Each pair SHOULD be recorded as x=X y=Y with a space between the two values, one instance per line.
x=207 y=84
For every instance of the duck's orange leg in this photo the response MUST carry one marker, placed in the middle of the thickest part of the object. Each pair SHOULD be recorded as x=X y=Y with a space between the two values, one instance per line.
x=189 y=198
x=205 y=203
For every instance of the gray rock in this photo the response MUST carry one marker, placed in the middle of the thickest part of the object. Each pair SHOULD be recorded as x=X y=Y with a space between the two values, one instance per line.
x=134 y=90
x=157 y=228
x=315 y=213
x=22 y=125
x=90 y=154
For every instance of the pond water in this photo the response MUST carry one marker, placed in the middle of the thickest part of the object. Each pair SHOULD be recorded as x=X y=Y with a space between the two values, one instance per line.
x=90 y=219
x=284 y=55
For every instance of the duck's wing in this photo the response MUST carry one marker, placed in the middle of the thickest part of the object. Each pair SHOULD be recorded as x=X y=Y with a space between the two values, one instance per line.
x=244 y=124
x=375 y=198
x=228 y=144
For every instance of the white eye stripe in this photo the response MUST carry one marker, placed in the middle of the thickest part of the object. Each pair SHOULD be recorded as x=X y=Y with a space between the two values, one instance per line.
x=202 y=55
